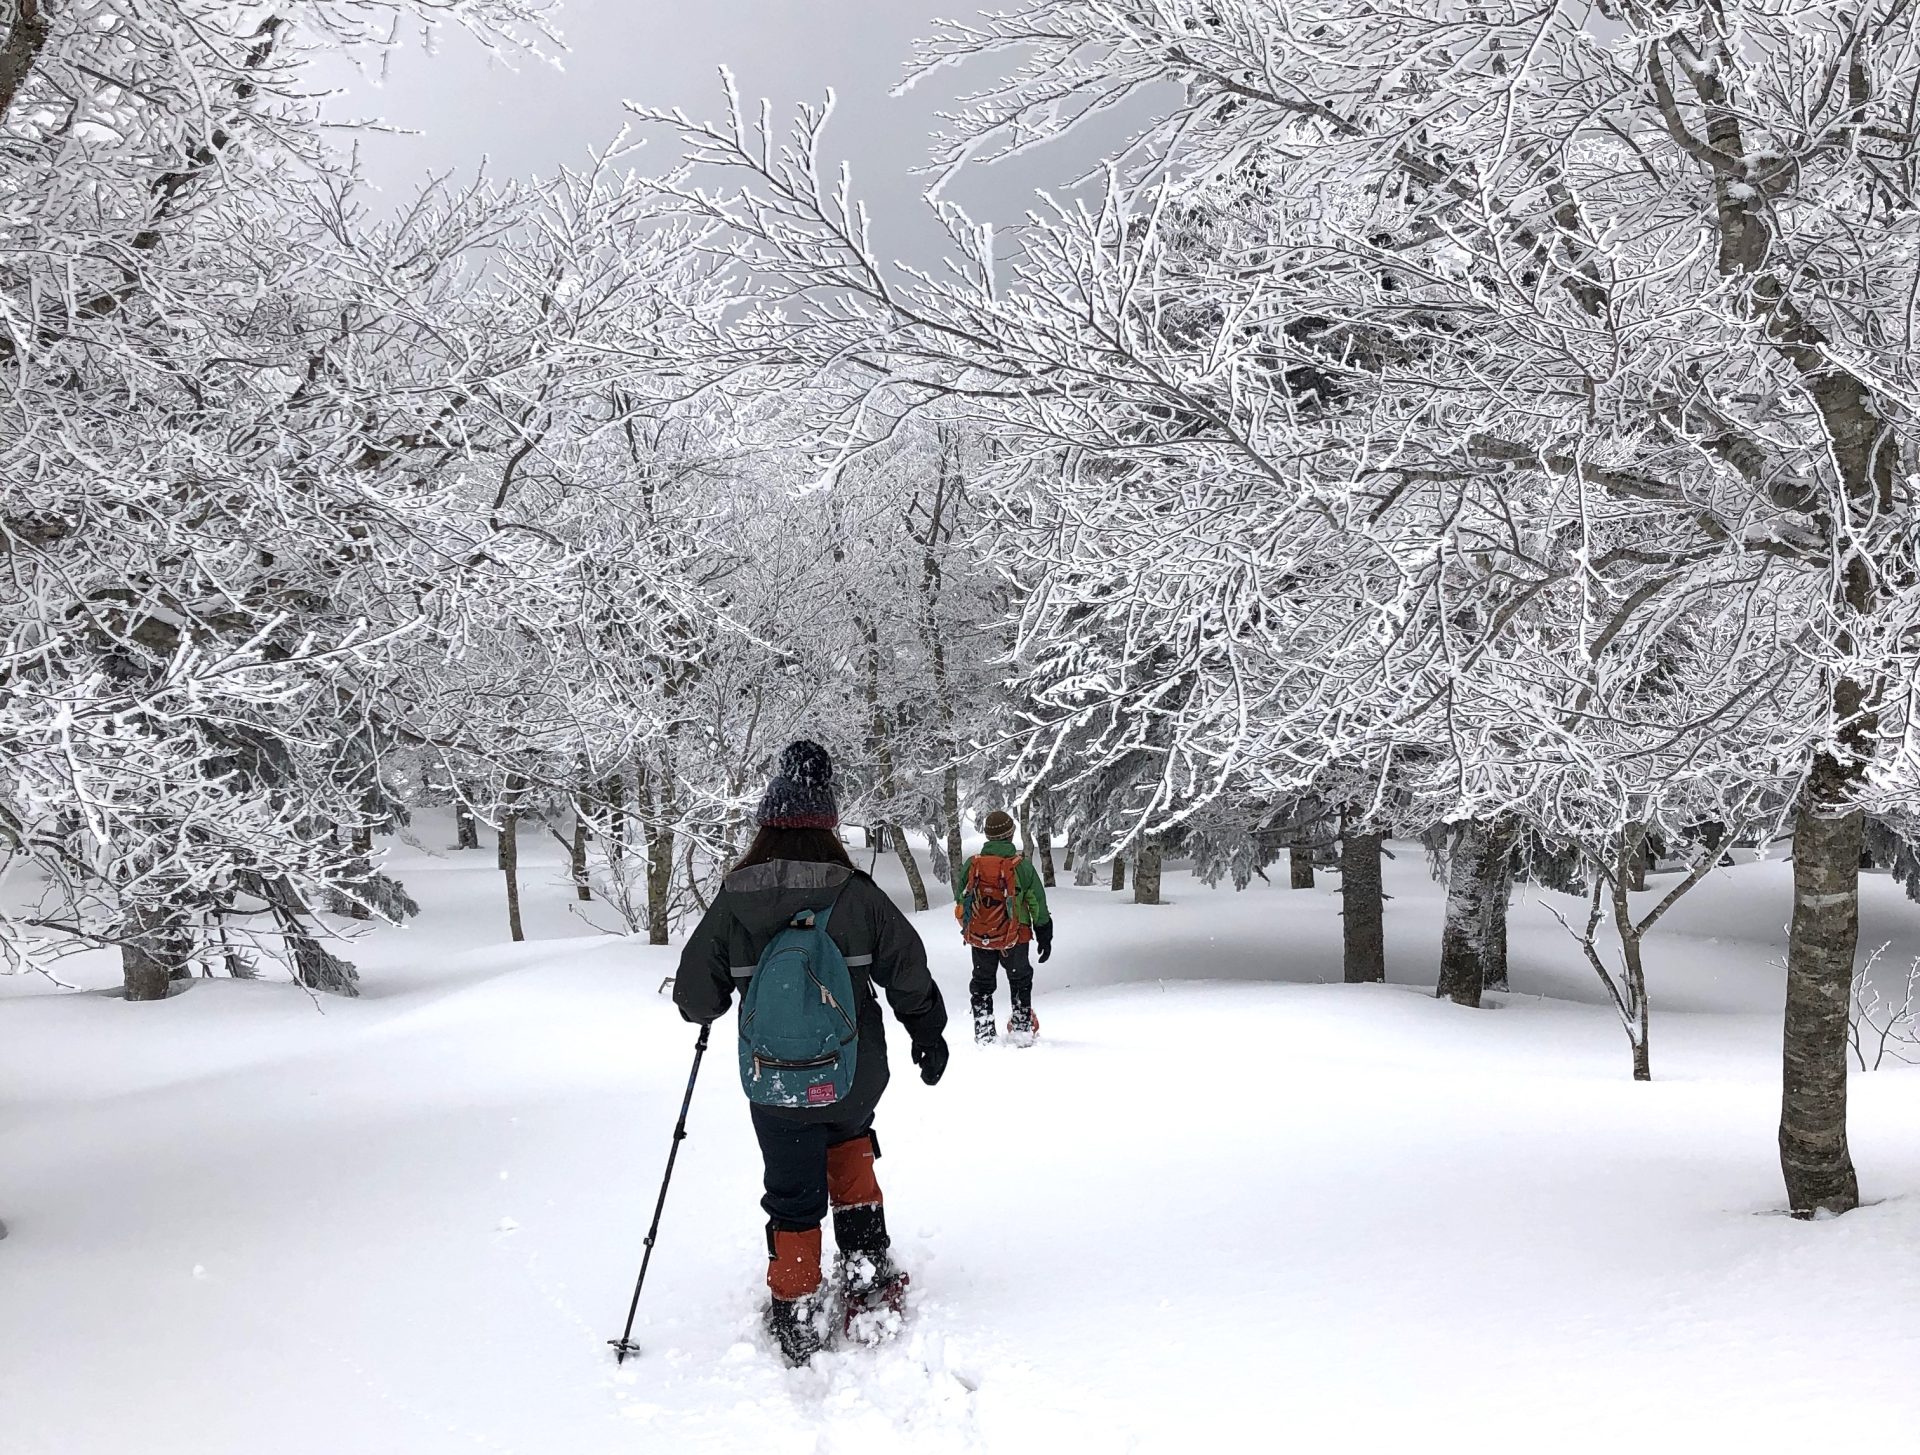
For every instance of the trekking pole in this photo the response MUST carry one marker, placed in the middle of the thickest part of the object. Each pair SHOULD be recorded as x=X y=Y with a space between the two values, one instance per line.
x=624 y=1345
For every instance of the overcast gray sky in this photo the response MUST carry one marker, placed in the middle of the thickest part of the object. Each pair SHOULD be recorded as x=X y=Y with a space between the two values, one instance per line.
x=534 y=117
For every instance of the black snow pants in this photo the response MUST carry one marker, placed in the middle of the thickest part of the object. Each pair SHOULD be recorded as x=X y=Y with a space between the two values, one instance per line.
x=986 y=979
x=795 y=1157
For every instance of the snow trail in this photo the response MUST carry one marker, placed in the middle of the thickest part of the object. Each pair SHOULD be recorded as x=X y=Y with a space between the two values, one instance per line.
x=1218 y=1204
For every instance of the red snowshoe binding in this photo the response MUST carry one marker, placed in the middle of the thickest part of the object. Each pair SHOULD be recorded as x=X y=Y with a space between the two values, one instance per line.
x=873 y=1296
x=1023 y=1029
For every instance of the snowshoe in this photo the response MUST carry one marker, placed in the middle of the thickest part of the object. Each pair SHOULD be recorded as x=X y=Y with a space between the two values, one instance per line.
x=796 y=1326
x=873 y=1296
x=1024 y=1028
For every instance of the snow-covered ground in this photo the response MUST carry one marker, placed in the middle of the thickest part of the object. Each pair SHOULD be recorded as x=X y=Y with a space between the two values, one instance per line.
x=1224 y=1205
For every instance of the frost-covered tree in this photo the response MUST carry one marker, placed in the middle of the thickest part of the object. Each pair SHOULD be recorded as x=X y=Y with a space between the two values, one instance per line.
x=1609 y=483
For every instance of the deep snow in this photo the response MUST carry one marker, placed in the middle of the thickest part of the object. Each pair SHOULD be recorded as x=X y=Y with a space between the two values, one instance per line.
x=1221 y=1206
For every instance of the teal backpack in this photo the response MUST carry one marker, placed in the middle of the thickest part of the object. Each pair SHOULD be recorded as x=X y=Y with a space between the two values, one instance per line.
x=798 y=1035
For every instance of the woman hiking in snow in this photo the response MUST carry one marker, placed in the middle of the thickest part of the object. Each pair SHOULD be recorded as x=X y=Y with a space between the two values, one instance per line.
x=1002 y=908
x=799 y=933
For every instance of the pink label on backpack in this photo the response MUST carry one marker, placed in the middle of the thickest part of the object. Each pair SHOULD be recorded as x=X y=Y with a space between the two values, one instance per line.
x=821 y=1093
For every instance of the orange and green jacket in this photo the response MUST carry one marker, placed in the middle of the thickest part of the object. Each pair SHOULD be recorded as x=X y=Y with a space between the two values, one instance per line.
x=1030 y=895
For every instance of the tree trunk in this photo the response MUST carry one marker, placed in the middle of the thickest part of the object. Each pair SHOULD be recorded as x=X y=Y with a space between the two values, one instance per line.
x=150 y=953
x=881 y=739
x=1821 y=944
x=26 y=37
x=1861 y=431
x=1638 y=1032
x=692 y=876
x=661 y=811
x=1146 y=872
x=509 y=854
x=314 y=965
x=1084 y=868
x=615 y=792
x=1639 y=857
x=466 y=828
x=937 y=854
x=1066 y=860
x=1494 y=951
x=1044 y=841
x=354 y=905
x=238 y=966
x=907 y=862
x=1463 y=935
x=660 y=839
x=1362 y=910
x=948 y=486
x=1300 y=866
x=1119 y=871
x=577 y=856
x=950 y=806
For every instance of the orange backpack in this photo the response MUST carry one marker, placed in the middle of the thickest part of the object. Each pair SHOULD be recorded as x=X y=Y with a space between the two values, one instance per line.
x=987 y=920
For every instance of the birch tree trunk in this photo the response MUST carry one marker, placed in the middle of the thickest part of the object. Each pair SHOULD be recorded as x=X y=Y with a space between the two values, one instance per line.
x=1362 y=910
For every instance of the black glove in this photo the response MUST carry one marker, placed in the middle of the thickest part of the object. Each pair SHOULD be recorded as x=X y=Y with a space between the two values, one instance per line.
x=931 y=1058
x=1044 y=934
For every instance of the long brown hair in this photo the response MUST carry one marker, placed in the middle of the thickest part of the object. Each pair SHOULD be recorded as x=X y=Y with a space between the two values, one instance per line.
x=808 y=846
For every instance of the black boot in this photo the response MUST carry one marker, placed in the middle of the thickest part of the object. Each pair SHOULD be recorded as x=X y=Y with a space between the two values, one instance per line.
x=795 y=1326
x=983 y=1027
x=873 y=1287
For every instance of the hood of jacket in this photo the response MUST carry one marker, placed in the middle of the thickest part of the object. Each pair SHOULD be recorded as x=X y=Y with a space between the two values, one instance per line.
x=764 y=897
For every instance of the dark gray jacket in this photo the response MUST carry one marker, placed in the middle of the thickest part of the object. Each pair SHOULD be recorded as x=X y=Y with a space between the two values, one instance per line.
x=880 y=943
